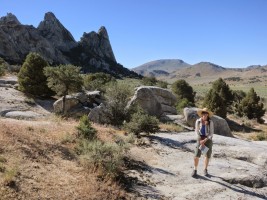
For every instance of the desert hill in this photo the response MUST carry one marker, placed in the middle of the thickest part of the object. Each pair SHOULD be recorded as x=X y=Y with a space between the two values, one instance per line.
x=160 y=67
x=176 y=69
x=201 y=75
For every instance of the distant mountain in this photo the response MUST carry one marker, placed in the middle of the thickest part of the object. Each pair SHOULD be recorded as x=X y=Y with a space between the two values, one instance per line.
x=201 y=69
x=57 y=46
x=201 y=73
x=160 y=67
x=257 y=67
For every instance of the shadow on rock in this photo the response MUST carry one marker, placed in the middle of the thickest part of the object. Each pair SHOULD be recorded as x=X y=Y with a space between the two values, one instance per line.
x=233 y=187
x=234 y=126
x=141 y=188
x=172 y=143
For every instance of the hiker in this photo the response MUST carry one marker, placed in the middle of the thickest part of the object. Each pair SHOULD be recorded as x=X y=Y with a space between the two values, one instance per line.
x=204 y=129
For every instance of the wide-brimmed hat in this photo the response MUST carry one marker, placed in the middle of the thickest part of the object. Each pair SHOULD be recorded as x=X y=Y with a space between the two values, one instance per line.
x=199 y=112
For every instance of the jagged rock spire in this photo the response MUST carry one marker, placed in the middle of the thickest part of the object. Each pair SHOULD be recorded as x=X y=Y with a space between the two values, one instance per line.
x=10 y=19
x=53 y=30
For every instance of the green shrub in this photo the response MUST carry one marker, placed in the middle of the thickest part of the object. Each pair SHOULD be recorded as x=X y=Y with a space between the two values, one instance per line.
x=106 y=157
x=2 y=70
x=182 y=104
x=97 y=81
x=183 y=91
x=118 y=95
x=142 y=122
x=152 y=81
x=149 y=81
x=261 y=136
x=162 y=84
x=68 y=138
x=2 y=67
x=85 y=129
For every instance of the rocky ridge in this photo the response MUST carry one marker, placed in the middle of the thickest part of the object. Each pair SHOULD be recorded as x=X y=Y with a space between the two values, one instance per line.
x=57 y=45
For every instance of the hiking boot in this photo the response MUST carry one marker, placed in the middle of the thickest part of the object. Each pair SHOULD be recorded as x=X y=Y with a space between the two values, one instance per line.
x=194 y=173
x=206 y=172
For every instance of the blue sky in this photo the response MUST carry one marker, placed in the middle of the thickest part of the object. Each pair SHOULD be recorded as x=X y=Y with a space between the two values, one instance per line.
x=230 y=33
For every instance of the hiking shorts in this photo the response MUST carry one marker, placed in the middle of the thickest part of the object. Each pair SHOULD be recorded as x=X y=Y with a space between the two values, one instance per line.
x=198 y=152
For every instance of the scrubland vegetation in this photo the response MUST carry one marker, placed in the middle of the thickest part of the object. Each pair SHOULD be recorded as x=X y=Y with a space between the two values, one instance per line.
x=95 y=154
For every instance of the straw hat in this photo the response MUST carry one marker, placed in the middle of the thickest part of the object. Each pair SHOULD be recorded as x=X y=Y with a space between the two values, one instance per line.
x=199 y=112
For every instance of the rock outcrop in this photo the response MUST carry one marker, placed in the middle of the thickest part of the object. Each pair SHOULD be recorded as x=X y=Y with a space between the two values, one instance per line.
x=98 y=44
x=79 y=104
x=17 y=40
x=51 y=29
x=220 y=125
x=57 y=45
x=15 y=104
x=100 y=114
x=155 y=101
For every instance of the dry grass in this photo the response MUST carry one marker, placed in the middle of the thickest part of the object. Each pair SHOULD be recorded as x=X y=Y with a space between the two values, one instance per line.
x=259 y=136
x=249 y=129
x=170 y=127
x=36 y=164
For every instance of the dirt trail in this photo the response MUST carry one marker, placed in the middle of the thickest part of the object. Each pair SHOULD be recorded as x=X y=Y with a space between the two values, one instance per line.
x=166 y=166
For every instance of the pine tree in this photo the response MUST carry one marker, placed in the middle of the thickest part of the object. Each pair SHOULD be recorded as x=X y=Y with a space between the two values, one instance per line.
x=215 y=103
x=239 y=95
x=64 y=79
x=183 y=91
x=251 y=106
x=31 y=78
x=219 y=98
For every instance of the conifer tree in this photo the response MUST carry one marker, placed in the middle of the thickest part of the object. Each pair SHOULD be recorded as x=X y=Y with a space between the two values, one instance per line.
x=251 y=106
x=219 y=98
x=31 y=77
x=64 y=79
x=183 y=91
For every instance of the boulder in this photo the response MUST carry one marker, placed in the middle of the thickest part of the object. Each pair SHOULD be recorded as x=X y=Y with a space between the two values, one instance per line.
x=70 y=102
x=22 y=115
x=191 y=116
x=154 y=100
x=221 y=126
x=100 y=114
x=79 y=103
